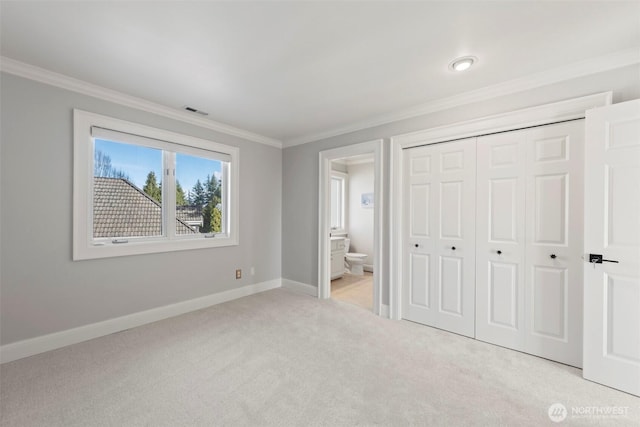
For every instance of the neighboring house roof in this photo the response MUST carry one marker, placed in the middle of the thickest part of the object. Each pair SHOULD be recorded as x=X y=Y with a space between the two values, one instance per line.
x=120 y=209
x=189 y=214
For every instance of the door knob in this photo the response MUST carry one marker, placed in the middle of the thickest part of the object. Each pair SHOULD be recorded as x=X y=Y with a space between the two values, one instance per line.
x=499 y=252
x=598 y=259
x=417 y=245
x=453 y=248
x=552 y=256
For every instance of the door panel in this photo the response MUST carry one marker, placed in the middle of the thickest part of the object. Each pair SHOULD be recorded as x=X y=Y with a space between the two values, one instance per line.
x=618 y=314
x=612 y=229
x=503 y=295
x=440 y=233
x=551 y=149
x=503 y=217
x=529 y=271
x=451 y=209
x=550 y=314
x=554 y=246
x=500 y=239
x=419 y=208
x=623 y=225
x=451 y=285
x=419 y=281
x=550 y=221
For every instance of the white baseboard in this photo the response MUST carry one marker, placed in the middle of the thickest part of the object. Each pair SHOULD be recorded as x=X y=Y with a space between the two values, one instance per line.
x=33 y=346
x=368 y=267
x=384 y=311
x=300 y=287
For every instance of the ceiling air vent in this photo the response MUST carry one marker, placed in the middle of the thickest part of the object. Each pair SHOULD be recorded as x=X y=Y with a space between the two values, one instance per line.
x=195 y=110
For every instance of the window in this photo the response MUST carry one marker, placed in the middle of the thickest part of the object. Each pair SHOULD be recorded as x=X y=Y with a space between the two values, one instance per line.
x=338 y=201
x=140 y=190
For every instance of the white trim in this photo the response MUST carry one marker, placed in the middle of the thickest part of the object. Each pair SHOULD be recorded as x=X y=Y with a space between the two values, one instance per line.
x=30 y=347
x=384 y=311
x=344 y=214
x=299 y=287
x=358 y=162
x=42 y=75
x=84 y=247
x=539 y=115
x=324 y=215
x=587 y=67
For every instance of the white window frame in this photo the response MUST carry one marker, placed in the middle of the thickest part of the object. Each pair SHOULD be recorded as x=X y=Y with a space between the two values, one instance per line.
x=345 y=201
x=86 y=247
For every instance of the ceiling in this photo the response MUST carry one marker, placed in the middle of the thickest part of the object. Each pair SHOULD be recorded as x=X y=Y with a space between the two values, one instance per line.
x=295 y=71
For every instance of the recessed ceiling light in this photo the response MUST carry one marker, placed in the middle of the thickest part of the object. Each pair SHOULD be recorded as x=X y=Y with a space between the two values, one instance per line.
x=463 y=63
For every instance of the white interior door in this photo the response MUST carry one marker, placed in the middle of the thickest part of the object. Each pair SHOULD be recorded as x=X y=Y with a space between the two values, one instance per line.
x=500 y=240
x=612 y=230
x=440 y=233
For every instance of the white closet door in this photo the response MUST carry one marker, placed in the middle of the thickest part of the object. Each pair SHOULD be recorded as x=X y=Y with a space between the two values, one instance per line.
x=529 y=241
x=554 y=245
x=500 y=238
x=440 y=233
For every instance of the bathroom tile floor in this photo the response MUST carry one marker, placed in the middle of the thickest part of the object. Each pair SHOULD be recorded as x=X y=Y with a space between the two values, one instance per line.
x=356 y=290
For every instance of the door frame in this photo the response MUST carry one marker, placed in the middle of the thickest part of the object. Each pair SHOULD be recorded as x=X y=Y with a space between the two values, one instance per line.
x=374 y=147
x=570 y=109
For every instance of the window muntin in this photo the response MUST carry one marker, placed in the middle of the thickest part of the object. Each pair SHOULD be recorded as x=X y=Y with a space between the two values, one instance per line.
x=147 y=213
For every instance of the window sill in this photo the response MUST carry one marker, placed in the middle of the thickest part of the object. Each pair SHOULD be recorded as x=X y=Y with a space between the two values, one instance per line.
x=110 y=250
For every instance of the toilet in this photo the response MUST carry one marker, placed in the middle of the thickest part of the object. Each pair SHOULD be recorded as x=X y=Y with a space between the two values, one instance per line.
x=354 y=260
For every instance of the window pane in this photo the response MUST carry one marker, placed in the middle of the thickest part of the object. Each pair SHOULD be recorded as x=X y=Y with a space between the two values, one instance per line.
x=336 y=203
x=198 y=195
x=127 y=190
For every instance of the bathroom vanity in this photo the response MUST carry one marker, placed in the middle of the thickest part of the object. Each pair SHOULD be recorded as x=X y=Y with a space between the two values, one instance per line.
x=337 y=257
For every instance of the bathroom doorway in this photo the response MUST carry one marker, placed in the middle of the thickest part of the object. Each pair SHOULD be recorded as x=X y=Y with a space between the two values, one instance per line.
x=352 y=202
x=350 y=218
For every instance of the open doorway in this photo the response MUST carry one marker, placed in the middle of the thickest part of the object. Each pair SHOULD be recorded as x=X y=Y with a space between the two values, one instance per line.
x=352 y=202
x=350 y=221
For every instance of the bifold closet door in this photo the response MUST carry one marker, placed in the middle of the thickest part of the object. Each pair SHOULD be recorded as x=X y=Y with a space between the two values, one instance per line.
x=500 y=239
x=439 y=234
x=530 y=240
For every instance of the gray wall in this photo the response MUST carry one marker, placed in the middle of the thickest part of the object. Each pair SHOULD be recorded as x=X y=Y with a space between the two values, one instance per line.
x=300 y=163
x=361 y=226
x=42 y=289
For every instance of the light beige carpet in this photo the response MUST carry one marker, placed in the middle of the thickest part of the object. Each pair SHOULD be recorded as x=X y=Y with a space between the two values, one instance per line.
x=282 y=359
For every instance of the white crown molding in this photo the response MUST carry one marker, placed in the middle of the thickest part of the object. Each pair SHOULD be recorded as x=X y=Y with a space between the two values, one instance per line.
x=569 y=109
x=21 y=69
x=587 y=67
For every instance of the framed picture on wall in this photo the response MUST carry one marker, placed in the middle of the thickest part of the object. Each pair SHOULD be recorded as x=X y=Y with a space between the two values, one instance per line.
x=366 y=200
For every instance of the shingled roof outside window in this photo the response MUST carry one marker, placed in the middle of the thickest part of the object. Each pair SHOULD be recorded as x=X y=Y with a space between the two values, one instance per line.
x=120 y=209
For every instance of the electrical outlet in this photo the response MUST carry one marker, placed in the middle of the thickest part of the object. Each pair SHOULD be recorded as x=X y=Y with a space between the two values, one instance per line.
x=253 y=271
x=238 y=274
